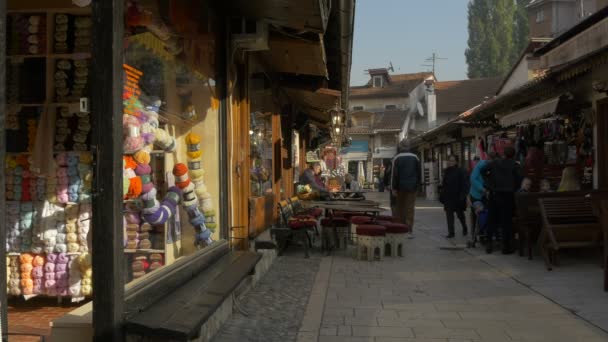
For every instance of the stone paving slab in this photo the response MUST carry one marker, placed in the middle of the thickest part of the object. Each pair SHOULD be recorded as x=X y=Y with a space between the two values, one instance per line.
x=434 y=294
x=277 y=305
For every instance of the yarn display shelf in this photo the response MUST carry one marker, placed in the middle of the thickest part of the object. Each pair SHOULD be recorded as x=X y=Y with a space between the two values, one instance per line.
x=148 y=250
x=76 y=55
x=16 y=58
x=26 y=104
x=151 y=152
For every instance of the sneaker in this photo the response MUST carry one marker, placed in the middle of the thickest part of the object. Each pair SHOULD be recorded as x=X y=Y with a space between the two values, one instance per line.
x=449 y=236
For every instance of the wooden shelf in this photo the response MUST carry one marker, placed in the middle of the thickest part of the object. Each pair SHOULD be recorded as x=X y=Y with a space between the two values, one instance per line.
x=75 y=55
x=133 y=251
x=10 y=57
x=26 y=104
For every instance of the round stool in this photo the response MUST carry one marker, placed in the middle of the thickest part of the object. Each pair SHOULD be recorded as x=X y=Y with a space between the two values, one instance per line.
x=356 y=221
x=386 y=218
x=370 y=239
x=340 y=227
x=395 y=238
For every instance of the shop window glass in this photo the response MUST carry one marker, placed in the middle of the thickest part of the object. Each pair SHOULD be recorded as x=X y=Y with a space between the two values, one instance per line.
x=49 y=172
x=171 y=133
x=261 y=153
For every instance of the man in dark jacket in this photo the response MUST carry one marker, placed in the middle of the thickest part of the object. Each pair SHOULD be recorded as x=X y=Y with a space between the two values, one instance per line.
x=405 y=178
x=502 y=178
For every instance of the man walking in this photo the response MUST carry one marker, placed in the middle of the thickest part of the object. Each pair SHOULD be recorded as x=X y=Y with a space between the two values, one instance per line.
x=404 y=183
x=502 y=178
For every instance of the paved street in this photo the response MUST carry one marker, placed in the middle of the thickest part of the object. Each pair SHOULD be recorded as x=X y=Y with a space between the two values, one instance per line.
x=275 y=307
x=434 y=294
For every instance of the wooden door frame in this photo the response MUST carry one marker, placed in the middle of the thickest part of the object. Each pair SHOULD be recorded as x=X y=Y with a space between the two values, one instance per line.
x=106 y=102
x=238 y=138
x=3 y=302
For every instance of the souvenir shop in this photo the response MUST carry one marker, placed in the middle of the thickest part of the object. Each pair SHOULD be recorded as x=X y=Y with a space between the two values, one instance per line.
x=553 y=142
x=170 y=182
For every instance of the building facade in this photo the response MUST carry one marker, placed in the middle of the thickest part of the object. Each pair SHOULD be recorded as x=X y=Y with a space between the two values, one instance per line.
x=379 y=110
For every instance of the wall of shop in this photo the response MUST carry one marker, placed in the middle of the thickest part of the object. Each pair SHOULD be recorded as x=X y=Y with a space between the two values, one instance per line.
x=378 y=104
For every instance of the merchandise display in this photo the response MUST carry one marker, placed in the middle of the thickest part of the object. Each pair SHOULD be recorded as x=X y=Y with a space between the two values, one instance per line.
x=48 y=215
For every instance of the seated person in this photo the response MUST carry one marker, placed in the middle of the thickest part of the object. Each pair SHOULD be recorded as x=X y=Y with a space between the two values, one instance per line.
x=312 y=177
x=351 y=186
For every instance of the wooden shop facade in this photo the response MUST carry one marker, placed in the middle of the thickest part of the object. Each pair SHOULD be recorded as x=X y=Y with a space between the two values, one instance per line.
x=145 y=143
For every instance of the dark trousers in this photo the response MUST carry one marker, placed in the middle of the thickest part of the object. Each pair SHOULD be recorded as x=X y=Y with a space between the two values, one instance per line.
x=473 y=214
x=381 y=187
x=501 y=208
x=450 y=216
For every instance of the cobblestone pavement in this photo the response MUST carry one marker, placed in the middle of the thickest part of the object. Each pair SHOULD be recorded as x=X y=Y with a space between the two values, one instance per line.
x=275 y=307
x=434 y=293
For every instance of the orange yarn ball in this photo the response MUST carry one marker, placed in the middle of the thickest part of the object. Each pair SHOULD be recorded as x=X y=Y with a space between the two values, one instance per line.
x=135 y=187
x=129 y=162
x=180 y=171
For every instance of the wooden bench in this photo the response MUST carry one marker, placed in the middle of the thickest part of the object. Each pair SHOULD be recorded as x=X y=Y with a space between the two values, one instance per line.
x=528 y=220
x=293 y=228
x=600 y=204
x=568 y=222
x=177 y=308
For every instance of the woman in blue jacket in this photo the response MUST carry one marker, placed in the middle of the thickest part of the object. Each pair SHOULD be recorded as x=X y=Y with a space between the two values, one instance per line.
x=477 y=190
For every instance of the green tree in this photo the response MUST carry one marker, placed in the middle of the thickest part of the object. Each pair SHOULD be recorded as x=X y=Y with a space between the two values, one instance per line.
x=498 y=33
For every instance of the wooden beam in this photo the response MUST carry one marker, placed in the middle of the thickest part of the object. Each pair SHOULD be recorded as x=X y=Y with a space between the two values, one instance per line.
x=3 y=304
x=106 y=104
x=295 y=56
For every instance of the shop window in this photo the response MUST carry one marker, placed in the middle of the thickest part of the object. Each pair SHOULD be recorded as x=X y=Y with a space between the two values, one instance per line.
x=358 y=108
x=390 y=107
x=171 y=135
x=261 y=153
x=49 y=171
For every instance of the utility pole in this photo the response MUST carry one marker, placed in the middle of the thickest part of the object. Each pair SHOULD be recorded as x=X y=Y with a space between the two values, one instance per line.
x=433 y=60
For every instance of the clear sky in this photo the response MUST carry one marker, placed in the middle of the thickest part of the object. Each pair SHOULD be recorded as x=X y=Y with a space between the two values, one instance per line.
x=406 y=32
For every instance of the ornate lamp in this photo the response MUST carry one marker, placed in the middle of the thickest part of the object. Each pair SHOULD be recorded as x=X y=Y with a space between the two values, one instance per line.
x=338 y=121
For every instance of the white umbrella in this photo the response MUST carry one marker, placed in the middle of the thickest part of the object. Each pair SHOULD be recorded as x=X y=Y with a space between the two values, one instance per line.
x=361 y=173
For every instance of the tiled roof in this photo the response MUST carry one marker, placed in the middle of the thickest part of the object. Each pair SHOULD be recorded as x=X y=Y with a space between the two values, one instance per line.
x=459 y=96
x=389 y=120
x=359 y=130
x=400 y=85
x=382 y=121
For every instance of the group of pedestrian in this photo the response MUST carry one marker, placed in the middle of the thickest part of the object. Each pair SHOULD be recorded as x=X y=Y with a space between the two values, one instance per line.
x=492 y=182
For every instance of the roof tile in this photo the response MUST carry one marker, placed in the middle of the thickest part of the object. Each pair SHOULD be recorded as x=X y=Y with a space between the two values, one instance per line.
x=459 y=96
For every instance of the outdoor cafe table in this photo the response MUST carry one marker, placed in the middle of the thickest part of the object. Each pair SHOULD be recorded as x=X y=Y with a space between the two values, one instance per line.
x=363 y=203
x=371 y=208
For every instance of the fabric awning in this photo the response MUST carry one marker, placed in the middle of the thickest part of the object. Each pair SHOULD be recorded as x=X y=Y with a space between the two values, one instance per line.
x=530 y=113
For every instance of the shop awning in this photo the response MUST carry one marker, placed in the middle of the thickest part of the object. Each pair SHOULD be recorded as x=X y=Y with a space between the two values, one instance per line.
x=300 y=15
x=318 y=103
x=361 y=146
x=530 y=113
x=295 y=56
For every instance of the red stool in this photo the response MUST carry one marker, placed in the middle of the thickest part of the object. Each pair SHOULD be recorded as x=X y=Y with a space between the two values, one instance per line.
x=386 y=218
x=300 y=226
x=370 y=238
x=340 y=227
x=395 y=238
x=356 y=221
